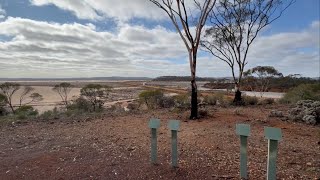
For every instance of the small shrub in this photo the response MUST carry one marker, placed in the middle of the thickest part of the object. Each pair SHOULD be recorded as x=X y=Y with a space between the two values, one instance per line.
x=302 y=92
x=238 y=111
x=151 y=98
x=81 y=104
x=96 y=95
x=3 y=111
x=203 y=112
x=266 y=101
x=25 y=111
x=210 y=100
x=250 y=100
x=283 y=101
x=182 y=101
x=133 y=106
x=166 y=102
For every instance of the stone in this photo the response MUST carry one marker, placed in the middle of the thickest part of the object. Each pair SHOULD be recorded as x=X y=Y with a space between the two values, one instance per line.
x=310 y=119
x=276 y=113
x=307 y=111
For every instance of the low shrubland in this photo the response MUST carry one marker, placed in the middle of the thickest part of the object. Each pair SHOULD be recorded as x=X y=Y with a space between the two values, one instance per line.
x=302 y=92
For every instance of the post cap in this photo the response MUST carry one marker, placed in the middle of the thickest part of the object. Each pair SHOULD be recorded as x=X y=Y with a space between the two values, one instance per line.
x=272 y=133
x=243 y=129
x=174 y=125
x=154 y=123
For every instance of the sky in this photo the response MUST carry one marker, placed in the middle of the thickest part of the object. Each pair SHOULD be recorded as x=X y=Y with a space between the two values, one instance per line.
x=101 y=38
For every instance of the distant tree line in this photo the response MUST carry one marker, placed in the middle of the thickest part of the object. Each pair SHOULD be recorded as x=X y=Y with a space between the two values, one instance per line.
x=272 y=83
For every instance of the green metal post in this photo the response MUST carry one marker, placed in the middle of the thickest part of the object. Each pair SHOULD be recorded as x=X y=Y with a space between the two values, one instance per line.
x=273 y=135
x=174 y=148
x=174 y=127
x=154 y=145
x=243 y=130
x=272 y=159
x=154 y=124
x=243 y=157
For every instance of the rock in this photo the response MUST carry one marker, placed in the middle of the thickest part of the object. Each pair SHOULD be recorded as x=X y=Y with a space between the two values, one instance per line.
x=276 y=113
x=307 y=111
x=309 y=119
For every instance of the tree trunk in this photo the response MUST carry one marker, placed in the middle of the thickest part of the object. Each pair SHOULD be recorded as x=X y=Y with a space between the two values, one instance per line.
x=237 y=96
x=194 y=100
x=12 y=108
x=194 y=89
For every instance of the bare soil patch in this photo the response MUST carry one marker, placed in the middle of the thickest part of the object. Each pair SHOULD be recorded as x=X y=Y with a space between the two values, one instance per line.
x=118 y=147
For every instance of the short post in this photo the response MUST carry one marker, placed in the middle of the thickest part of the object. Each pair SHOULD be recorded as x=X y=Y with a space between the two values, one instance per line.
x=174 y=127
x=243 y=130
x=154 y=124
x=273 y=135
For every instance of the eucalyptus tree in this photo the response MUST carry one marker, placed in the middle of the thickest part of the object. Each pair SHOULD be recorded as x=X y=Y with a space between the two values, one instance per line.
x=234 y=25
x=63 y=89
x=259 y=78
x=186 y=19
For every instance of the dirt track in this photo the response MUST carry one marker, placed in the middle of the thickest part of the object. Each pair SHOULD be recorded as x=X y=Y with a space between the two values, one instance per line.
x=118 y=148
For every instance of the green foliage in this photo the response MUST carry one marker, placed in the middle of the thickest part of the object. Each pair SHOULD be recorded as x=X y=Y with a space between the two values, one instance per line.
x=2 y=100
x=302 y=92
x=25 y=112
x=210 y=100
x=218 y=98
x=166 y=102
x=50 y=114
x=8 y=90
x=81 y=104
x=266 y=101
x=151 y=98
x=248 y=100
x=96 y=95
x=182 y=101
x=3 y=111
x=63 y=89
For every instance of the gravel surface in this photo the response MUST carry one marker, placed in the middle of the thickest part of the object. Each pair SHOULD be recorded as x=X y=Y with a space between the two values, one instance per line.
x=118 y=147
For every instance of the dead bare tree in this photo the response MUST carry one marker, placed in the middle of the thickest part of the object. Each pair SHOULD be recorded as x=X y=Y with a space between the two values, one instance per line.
x=182 y=20
x=235 y=24
x=63 y=89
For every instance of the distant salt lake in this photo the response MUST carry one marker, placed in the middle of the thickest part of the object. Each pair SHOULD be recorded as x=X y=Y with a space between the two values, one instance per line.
x=275 y=95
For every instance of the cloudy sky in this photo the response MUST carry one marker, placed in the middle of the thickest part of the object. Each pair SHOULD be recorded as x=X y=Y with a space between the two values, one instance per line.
x=97 y=38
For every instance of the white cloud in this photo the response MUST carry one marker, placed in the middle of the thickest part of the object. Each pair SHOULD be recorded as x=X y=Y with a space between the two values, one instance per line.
x=290 y=52
x=97 y=9
x=55 y=48
x=41 y=49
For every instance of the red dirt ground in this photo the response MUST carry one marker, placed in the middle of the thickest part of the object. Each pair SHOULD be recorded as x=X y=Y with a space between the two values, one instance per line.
x=118 y=147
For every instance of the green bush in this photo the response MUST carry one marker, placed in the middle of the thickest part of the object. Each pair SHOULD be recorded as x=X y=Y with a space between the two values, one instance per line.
x=96 y=95
x=210 y=100
x=182 y=101
x=151 y=98
x=166 y=102
x=219 y=98
x=81 y=104
x=302 y=92
x=266 y=101
x=250 y=100
x=47 y=115
x=25 y=111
